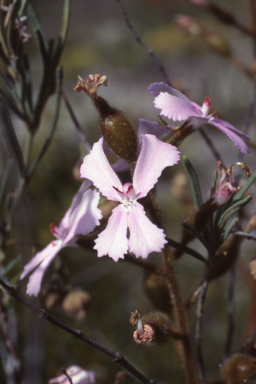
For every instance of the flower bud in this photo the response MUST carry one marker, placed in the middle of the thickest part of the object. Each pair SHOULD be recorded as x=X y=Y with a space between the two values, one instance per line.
x=225 y=257
x=116 y=129
x=155 y=326
x=217 y=43
x=76 y=304
x=239 y=369
x=158 y=292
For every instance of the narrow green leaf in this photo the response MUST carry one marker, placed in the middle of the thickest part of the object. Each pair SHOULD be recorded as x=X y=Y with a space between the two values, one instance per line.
x=6 y=178
x=186 y=250
x=54 y=123
x=231 y=210
x=35 y=23
x=11 y=141
x=245 y=234
x=230 y=227
x=24 y=4
x=10 y=26
x=247 y=185
x=196 y=233
x=10 y=266
x=193 y=182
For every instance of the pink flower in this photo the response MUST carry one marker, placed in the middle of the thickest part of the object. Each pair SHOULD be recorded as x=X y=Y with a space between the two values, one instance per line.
x=144 y=237
x=178 y=107
x=80 y=219
x=225 y=189
x=78 y=376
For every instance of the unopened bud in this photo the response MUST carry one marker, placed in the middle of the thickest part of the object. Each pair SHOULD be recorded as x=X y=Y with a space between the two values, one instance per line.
x=239 y=369
x=158 y=291
x=76 y=304
x=116 y=128
x=217 y=43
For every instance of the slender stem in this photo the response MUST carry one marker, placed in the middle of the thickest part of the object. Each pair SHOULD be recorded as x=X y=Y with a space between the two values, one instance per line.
x=142 y=44
x=68 y=377
x=253 y=18
x=198 y=335
x=210 y=144
x=14 y=363
x=144 y=264
x=115 y=356
x=231 y=290
x=180 y=314
x=76 y=122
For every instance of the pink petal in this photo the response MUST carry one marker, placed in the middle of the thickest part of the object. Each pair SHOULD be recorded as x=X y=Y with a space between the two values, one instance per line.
x=145 y=237
x=45 y=256
x=84 y=217
x=152 y=128
x=96 y=168
x=157 y=88
x=154 y=157
x=175 y=108
x=113 y=240
x=230 y=132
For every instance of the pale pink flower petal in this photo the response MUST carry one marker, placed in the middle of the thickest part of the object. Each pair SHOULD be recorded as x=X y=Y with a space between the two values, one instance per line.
x=154 y=157
x=229 y=130
x=145 y=237
x=81 y=224
x=174 y=108
x=157 y=88
x=82 y=216
x=113 y=241
x=47 y=255
x=78 y=376
x=96 y=168
x=152 y=128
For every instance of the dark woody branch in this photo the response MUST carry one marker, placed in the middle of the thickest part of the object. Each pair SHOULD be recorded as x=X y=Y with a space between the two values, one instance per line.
x=115 y=356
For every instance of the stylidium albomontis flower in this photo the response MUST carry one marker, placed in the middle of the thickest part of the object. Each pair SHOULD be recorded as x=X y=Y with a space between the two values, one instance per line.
x=178 y=107
x=80 y=219
x=144 y=236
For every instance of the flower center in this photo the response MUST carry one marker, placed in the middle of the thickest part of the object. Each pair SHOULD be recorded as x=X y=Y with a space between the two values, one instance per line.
x=127 y=196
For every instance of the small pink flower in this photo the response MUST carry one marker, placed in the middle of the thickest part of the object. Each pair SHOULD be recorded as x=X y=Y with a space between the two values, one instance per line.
x=225 y=189
x=80 y=219
x=144 y=237
x=78 y=376
x=178 y=107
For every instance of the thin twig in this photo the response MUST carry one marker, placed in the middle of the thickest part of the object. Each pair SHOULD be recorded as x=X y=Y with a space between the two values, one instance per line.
x=14 y=369
x=227 y=18
x=68 y=377
x=115 y=356
x=231 y=289
x=198 y=335
x=142 y=44
x=76 y=122
x=253 y=18
x=208 y=141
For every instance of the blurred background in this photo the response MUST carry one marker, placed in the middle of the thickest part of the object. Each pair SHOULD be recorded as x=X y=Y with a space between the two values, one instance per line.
x=99 y=41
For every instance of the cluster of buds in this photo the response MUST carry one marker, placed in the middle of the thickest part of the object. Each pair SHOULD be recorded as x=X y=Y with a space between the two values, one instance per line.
x=226 y=188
